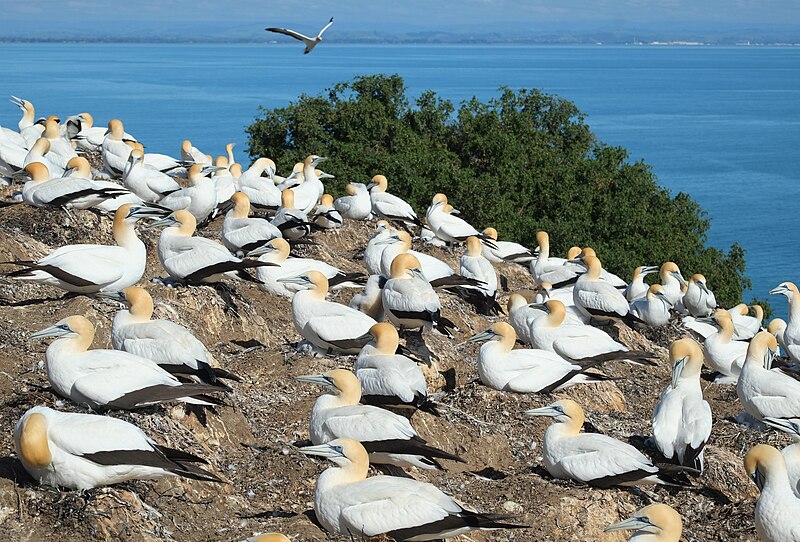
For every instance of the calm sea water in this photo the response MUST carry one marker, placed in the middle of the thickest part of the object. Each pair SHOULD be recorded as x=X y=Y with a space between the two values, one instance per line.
x=720 y=123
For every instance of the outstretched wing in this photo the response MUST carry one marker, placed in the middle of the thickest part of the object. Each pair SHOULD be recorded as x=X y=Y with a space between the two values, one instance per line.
x=325 y=28
x=291 y=33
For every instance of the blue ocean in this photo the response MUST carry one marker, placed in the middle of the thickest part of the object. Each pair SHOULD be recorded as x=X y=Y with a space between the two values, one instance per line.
x=721 y=123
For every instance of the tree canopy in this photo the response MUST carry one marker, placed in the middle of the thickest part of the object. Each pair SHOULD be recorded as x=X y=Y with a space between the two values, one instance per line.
x=521 y=162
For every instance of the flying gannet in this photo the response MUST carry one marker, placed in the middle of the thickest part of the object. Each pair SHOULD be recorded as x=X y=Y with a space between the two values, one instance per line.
x=777 y=514
x=654 y=523
x=389 y=379
x=410 y=302
x=388 y=206
x=347 y=502
x=277 y=253
x=594 y=459
x=356 y=205
x=388 y=437
x=94 y=268
x=331 y=327
x=309 y=42
x=242 y=234
x=682 y=419
x=170 y=345
x=84 y=451
x=110 y=379
x=503 y=368
x=191 y=259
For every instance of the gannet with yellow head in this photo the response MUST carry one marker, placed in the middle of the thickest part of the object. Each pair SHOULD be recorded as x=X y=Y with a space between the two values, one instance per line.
x=449 y=227
x=388 y=437
x=654 y=523
x=292 y=221
x=242 y=234
x=69 y=192
x=257 y=183
x=777 y=514
x=764 y=392
x=199 y=198
x=637 y=288
x=654 y=308
x=148 y=183
x=84 y=451
x=388 y=206
x=698 y=299
x=356 y=205
x=326 y=216
x=192 y=155
x=506 y=251
x=723 y=354
x=596 y=297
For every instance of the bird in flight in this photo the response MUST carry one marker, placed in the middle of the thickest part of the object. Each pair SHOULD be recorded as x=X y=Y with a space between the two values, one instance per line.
x=310 y=42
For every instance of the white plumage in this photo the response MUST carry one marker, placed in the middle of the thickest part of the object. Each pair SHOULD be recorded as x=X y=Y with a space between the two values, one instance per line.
x=356 y=205
x=242 y=234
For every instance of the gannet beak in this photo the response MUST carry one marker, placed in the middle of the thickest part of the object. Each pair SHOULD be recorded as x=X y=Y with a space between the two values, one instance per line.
x=703 y=287
x=321 y=159
x=676 y=371
x=540 y=306
x=455 y=212
x=225 y=206
x=482 y=336
x=113 y=296
x=577 y=260
x=58 y=330
x=266 y=248
x=677 y=275
x=788 y=426
x=16 y=101
x=148 y=211
x=536 y=251
x=649 y=269
x=769 y=357
x=326 y=176
x=68 y=172
x=320 y=380
x=663 y=296
x=630 y=524
x=322 y=450
x=166 y=221
x=370 y=186
x=777 y=290
x=549 y=411
x=389 y=240
x=297 y=279
x=211 y=169
x=107 y=132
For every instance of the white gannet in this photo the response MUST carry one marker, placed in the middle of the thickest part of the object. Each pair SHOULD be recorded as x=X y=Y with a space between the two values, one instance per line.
x=84 y=451
x=387 y=436
x=295 y=178
x=26 y=121
x=637 y=288
x=70 y=192
x=261 y=190
x=653 y=308
x=615 y=280
x=791 y=335
x=764 y=392
x=700 y=327
x=277 y=251
x=292 y=222
x=40 y=152
x=429 y=238
x=325 y=215
x=373 y=252
x=199 y=198
x=242 y=234
x=192 y=259
x=309 y=42
x=148 y=183
x=90 y=137
x=777 y=327
x=506 y=251
x=596 y=297
x=745 y=326
x=61 y=150
x=790 y=453
x=389 y=379
x=388 y=206
x=777 y=515
x=672 y=282
x=331 y=327
x=557 y=271
x=654 y=523
x=476 y=267
x=546 y=292
x=110 y=379
x=594 y=459
x=521 y=316
x=346 y=502
x=356 y=205
x=12 y=156
x=114 y=150
x=723 y=354
x=370 y=299
x=308 y=193
x=448 y=227
x=682 y=419
x=572 y=340
x=525 y=370
x=698 y=299
x=170 y=345
x=94 y=268
x=224 y=183
x=193 y=155
x=410 y=302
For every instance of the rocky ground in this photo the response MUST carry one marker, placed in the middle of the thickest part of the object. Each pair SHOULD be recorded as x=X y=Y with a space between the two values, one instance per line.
x=252 y=442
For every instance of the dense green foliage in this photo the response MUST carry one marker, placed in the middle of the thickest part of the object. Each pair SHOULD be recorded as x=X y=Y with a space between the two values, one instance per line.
x=521 y=162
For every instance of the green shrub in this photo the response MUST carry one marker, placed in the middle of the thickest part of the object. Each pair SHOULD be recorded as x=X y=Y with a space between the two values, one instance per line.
x=521 y=162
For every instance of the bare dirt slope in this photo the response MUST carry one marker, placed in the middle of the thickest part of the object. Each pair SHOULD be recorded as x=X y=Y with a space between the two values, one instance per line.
x=251 y=443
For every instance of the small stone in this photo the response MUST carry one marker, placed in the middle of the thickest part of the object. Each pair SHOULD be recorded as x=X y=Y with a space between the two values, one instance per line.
x=513 y=507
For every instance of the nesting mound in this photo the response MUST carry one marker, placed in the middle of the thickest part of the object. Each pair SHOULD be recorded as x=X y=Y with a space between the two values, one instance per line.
x=251 y=443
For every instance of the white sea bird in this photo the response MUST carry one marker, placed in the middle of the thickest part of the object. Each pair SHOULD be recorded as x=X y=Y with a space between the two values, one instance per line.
x=654 y=523
x=325 y=215
x=114 y=149
x=261 y=190
x=113 y=379
x=346 y=502
x=147 y=183
x=638 y=287
x=242 y=234
x=791 y=335
x=375 y=247
x=356 y=205
x=388 y=206
x=327 y=325
x=389 y=437
x=504 y=368
x=84 y=451
x=449 y=227
x=790 y=453
x=199 y=198
x=308 y=193
x=94 y=268
x=291 y=221
x=698 y=299
x=192 y=154
x=777 y=514
x=653 y=308
x=723 y=354
x=672 y=280
x=277 y=252
x=69 y=192
x=170 y=345
x=764 y=392
x=309 y=42
x=597 y=297
x=682 y=419
x=506 y=251
x=745 y=326
x=594 y=459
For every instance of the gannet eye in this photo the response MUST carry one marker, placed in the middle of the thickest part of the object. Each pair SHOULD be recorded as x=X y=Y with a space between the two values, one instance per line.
x=338 y=449
x=65 y=327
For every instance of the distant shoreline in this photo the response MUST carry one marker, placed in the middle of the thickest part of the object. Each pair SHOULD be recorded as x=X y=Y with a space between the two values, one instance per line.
x=155 y=41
